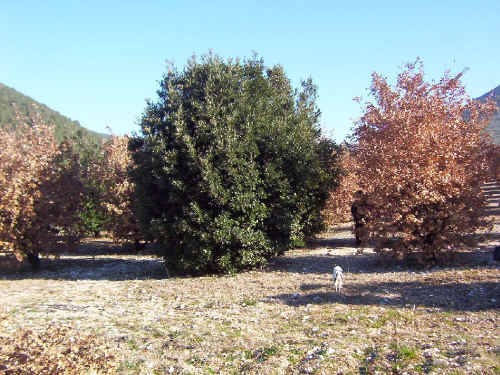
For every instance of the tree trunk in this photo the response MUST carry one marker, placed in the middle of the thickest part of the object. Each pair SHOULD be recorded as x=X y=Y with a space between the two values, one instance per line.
x=138 y=246
x=34 y=260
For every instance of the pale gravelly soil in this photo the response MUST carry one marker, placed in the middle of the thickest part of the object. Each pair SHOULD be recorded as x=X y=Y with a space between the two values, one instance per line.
x=284 y=319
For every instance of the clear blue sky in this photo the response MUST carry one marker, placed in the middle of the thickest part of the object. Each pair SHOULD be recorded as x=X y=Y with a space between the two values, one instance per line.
x=97 y=61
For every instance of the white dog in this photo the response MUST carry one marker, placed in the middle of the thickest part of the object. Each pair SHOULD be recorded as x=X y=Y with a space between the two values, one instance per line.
x=338 y=278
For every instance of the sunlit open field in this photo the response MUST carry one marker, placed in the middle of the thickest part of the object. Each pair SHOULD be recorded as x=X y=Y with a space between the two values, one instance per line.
x=105 y=311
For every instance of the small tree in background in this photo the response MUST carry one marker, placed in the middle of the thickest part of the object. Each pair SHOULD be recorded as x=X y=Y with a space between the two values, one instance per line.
x=115 y=190
x=40 y=193
x=338 y=206
x=231 y=168
x=92 y=214
x=421 y=150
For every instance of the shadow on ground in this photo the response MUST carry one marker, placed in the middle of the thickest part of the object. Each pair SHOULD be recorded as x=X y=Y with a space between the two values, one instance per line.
x=95 y=259
x=492 y=193
x=103 y=246
x=448 y=296
x=83 y=268
x=331 y=242
x=371 y=263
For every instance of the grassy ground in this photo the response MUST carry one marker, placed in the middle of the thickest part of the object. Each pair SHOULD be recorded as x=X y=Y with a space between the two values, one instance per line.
x=103 y=311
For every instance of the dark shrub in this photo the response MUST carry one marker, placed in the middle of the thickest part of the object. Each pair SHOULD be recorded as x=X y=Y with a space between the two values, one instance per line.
x=231 y=168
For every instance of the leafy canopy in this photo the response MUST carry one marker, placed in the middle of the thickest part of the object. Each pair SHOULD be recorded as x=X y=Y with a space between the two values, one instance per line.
x=115 y=190
x=40 y=192
x=422 y=154
x=231 y=168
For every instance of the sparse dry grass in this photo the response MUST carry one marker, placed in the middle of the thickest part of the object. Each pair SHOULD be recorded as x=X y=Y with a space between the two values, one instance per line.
x=286 y=319
x=280 y=320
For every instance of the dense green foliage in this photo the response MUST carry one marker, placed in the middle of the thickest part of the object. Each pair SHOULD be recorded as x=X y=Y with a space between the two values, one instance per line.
x=231 y=168
x=92 y=215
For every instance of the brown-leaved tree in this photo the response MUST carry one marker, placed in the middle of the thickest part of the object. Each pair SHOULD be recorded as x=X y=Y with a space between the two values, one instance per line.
x=40 y=192
x=338 y=206
x=422 y=156
x=111 y=171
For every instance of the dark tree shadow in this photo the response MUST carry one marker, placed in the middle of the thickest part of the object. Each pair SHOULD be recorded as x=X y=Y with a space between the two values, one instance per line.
x=78 y=268
x=320 y=264
x=98 y=247
x=366 y=263
x=491 y=188
x=308 y=287
x=331 y=242
x=94 y=259
x=493 y=211
x=450 y=296
x=492 y=193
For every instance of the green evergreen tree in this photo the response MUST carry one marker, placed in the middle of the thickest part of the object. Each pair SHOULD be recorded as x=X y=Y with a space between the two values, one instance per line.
x=231 y=168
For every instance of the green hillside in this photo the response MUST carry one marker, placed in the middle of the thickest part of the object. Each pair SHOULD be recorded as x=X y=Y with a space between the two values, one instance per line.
x=12 y=102
x=494 y=127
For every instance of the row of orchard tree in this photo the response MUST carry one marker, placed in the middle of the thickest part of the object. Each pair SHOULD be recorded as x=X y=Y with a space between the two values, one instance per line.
x=231 y=168
x=51 y=196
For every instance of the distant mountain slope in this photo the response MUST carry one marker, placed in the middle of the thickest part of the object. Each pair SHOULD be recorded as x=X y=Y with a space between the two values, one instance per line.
x=12 y=101
x=494 y=127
